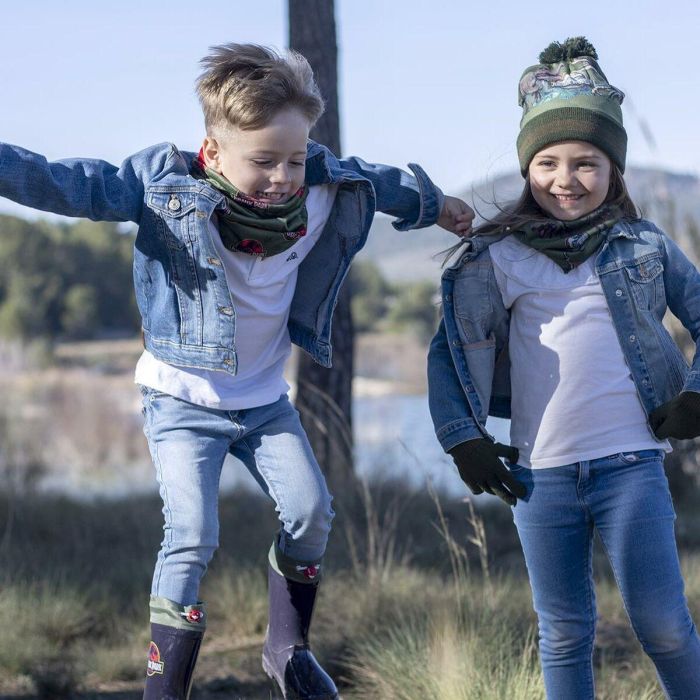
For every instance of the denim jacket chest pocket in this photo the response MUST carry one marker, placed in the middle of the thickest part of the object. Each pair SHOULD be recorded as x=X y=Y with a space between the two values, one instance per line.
x=646 y=282
x=472 y=302
x=174 y=213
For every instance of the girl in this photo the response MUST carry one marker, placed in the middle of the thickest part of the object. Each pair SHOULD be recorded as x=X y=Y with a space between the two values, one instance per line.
x=554 y=319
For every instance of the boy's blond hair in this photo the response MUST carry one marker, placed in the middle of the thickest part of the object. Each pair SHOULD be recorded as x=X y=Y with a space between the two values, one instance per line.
x=246 y=85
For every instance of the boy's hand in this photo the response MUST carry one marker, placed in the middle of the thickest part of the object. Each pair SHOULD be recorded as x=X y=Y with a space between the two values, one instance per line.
x=481 y=469
x=456 y=216
x=678 y=418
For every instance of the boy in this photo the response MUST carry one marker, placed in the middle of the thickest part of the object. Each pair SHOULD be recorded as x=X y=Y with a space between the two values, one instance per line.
x=241 y=250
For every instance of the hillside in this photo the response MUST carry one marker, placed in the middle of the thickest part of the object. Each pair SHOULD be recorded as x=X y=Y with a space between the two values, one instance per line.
x=667 y=198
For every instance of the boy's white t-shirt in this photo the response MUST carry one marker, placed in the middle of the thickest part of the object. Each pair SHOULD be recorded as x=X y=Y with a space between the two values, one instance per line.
x=262 y=292
x=573 y=397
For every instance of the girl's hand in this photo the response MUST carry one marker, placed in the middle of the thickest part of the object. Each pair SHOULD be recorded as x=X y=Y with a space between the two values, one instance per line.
x=456 y=216
x=479 y=464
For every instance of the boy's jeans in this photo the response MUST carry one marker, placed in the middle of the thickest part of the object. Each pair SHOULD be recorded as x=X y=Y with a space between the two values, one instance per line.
x=626 y=498
x=188 y=444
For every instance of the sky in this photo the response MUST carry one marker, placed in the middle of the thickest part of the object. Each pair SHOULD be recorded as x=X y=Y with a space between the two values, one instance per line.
x=431 y=83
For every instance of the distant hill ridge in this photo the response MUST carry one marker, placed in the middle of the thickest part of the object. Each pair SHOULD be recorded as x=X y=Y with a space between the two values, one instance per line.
x=669 y=199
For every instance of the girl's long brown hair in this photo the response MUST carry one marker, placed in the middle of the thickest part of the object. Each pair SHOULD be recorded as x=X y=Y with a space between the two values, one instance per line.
x=525 y=209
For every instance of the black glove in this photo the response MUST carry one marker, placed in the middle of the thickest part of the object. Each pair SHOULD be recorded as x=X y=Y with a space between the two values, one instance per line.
x=481 y=469
x=678 y=418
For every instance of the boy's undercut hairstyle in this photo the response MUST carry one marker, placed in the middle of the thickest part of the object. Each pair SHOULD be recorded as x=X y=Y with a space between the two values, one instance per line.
x=246 y=85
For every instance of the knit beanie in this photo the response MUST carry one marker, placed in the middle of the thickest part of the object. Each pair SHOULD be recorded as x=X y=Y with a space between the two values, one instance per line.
x=567 y=97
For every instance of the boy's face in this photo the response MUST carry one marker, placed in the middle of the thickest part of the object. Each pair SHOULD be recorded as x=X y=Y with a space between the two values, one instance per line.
x=268 y=163
x=570 y=179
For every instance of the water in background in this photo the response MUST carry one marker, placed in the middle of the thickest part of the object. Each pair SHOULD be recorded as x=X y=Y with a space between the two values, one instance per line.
x=394 y=438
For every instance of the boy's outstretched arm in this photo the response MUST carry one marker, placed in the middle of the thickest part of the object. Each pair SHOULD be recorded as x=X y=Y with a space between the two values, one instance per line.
x=414 y=200
x=82 y=187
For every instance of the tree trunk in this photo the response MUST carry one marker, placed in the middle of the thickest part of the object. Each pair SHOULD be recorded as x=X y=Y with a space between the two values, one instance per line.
x=324 y=396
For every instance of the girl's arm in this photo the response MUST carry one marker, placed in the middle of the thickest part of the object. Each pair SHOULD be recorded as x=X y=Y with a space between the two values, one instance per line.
x=93 y=189
x=680 y=417
x=682 y=284
x=449 y=408
x=477 y=459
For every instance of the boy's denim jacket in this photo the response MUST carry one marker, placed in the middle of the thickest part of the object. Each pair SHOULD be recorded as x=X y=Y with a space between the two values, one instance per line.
x=641 y=272
x=188 y=315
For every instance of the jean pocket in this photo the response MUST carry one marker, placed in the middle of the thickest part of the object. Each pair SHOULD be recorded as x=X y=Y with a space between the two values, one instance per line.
x=639 y=456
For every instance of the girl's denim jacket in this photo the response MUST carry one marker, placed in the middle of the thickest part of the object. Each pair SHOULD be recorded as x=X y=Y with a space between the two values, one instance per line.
x=188 y=315
x=641 y=271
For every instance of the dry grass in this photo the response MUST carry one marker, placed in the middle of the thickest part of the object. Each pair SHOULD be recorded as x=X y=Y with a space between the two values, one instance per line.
x=76 y=575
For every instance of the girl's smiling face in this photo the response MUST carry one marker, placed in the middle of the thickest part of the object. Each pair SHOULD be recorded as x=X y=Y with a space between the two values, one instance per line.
x=570 y=179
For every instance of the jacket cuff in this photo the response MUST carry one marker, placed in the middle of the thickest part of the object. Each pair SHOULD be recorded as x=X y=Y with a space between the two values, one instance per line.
x=431 y=202
x=692 y=382
x=459 y=431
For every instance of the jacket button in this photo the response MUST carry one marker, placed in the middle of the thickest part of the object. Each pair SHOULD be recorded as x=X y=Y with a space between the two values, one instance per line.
x=618 y=292
x=455 y=343
x=228 y=362
x=633 y=338
x=214 y=261
x=448 y=297
x=227 y=310
x=174 y=203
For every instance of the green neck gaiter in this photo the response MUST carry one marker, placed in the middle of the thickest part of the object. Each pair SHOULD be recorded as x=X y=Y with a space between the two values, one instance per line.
x=569 y=243
x=250 y=226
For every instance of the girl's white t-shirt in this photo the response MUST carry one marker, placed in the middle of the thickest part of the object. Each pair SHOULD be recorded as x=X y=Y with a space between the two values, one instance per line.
x=262 y=292
x=573 y=397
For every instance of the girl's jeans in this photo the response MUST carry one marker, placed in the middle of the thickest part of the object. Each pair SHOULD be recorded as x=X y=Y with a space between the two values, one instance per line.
x=188 y=445
x=625 y=497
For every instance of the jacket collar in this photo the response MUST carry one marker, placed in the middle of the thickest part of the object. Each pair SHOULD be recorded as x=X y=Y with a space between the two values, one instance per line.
x=318 y=166
x=475 y=245
x=622 y=229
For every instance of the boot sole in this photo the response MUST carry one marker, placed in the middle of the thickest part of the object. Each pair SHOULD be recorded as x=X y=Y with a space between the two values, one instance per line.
x=269 y=673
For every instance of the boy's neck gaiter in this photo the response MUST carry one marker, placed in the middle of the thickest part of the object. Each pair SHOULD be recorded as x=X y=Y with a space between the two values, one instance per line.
x=250 y=226
x=569 y=243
